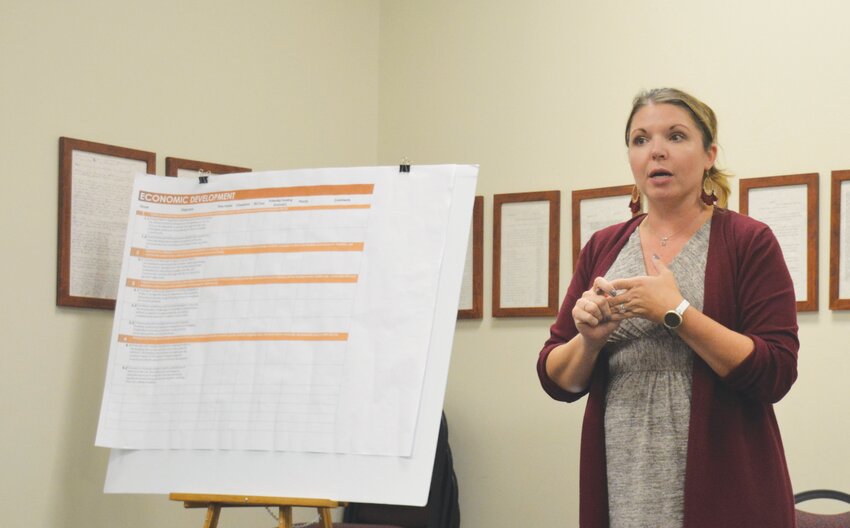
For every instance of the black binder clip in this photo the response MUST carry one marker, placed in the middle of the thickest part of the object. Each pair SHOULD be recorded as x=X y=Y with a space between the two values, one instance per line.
x=203 y=176
x=405 y=165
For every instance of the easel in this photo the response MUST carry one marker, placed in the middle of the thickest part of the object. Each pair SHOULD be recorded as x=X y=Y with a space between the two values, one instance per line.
x=214 y=504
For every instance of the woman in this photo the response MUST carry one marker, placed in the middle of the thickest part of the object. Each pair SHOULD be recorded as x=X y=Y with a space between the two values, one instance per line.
x=681 y=326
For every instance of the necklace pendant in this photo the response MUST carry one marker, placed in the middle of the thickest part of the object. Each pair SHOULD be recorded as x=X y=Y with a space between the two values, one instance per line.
x=664 y=241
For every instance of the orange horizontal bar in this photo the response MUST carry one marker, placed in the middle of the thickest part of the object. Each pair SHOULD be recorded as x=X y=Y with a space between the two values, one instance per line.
x=244 y=250
x=214 y=338
x=240 y=281
x=305 y=190
x=281 y=209
x=253 y=194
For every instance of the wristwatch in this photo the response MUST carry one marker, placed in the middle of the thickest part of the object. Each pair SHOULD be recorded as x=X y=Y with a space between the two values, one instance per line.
x=673 y=318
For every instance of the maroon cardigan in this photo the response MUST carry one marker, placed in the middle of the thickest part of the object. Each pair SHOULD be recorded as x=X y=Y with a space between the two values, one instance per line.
x=736 y=475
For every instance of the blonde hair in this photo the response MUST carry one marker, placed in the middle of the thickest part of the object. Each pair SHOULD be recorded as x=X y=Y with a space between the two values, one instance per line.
x=713 y=180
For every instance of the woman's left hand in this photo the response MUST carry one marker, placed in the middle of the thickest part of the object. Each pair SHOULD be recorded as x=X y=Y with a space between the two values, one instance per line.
x=649 y=297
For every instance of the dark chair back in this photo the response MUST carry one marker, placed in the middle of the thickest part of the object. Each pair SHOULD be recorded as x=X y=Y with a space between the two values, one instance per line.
x=442 y=509
x=822 y=520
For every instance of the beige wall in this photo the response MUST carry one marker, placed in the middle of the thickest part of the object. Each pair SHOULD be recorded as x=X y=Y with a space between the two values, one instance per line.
x=266 y=84
x=534 y=91
x=537 y=92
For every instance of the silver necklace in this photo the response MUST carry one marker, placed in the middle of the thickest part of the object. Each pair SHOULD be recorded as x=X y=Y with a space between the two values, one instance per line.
x=664 y=239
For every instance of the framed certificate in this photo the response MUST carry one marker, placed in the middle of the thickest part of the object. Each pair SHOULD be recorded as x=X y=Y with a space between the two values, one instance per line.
x=594 y=209
x=526 y=232
x=95 y=183
x=190 y=168
x=789 y=205
x=839 y=241
x=471 y=304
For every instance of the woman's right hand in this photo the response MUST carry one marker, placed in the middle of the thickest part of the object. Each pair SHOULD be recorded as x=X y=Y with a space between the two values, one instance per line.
x=570 y=364
x=592 y=313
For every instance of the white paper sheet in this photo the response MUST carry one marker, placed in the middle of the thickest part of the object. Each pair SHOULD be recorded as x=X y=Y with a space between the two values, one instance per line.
x=99 y=206
x=345 y=477
x=599 y=213
x=287 y=311
x=844 y=242
x=187 y=173
x=466 y=288
x=524 y=265
x=784 y=209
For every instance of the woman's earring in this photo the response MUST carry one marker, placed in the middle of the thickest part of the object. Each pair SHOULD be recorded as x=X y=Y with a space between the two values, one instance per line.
x=634 y=204
x=708 y=198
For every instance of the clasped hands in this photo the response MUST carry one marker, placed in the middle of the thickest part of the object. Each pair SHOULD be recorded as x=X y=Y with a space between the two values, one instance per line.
x=600 y=309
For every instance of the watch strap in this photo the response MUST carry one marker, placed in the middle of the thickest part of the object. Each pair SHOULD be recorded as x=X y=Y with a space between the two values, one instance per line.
x=676 y=315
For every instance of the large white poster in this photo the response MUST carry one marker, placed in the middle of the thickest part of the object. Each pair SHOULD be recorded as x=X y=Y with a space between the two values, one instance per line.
x=283 y=311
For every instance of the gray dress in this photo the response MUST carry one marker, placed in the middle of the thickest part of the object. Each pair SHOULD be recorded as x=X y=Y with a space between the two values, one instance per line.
x=648 y=403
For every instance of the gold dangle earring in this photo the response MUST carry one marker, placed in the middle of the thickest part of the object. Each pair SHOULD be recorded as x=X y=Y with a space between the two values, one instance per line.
x=708 y=195
x=634 y=204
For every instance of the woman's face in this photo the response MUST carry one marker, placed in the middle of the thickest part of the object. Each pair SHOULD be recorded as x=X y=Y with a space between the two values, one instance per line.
x=666 y=154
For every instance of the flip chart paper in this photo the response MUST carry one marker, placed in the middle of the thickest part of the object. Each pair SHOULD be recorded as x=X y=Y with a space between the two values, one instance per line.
x=283 y=311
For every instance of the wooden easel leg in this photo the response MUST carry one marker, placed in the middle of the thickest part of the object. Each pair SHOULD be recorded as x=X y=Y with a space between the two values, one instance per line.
x=325 y=516
x=285 y=517
x=213 y=512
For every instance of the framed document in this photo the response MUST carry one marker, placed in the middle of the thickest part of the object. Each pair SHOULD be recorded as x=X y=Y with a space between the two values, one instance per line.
x=526 y=233
x=95 y=183
x=191 y=168
x=839 y=241
x=789 y=205
x=594 y=209
x=471 y=304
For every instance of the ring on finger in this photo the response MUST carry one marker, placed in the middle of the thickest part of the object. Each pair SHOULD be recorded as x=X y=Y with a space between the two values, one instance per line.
x=622 y=308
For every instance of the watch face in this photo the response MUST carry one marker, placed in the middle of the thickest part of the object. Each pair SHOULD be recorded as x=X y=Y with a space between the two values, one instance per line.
x=672 y=319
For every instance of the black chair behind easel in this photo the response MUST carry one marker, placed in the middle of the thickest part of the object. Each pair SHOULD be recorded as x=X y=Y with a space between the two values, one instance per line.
x=441 y=511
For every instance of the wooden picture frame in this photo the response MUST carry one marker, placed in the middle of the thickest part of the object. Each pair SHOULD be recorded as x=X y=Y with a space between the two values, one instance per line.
x=839 y=231
x=474 y=271
x=789 y=205
x=526 y=233
x=95 y=183
x=608 y=206
x=173 y=166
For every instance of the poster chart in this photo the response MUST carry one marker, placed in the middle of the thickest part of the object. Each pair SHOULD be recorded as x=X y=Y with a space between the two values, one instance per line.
x=287 y=315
